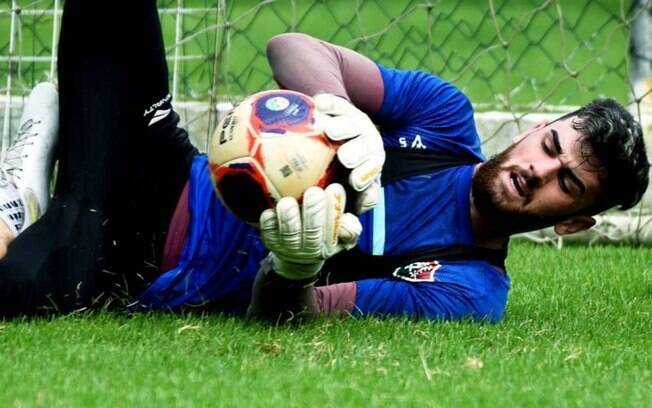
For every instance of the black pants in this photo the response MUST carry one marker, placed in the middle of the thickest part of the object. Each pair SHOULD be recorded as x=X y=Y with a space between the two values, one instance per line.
x=122 y=165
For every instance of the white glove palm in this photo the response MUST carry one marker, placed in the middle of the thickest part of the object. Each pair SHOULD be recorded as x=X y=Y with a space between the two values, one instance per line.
x=301 y=240
x=363 y=153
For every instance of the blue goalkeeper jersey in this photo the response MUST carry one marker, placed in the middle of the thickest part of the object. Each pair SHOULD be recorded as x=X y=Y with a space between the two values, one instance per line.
x=419 y=112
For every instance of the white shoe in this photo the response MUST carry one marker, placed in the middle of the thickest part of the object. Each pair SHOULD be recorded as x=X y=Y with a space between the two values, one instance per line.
x=27 y=162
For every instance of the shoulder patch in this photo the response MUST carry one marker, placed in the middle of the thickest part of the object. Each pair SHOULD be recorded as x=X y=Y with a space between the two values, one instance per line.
x=417 y=271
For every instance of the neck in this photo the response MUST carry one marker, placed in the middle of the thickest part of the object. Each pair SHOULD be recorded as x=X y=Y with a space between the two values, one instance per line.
x=486 y=234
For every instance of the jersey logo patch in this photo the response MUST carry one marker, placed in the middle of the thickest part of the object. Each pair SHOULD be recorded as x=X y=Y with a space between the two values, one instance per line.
x=417 y=271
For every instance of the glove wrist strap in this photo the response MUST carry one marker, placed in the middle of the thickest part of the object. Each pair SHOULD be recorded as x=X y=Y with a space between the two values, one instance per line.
x=295 y=271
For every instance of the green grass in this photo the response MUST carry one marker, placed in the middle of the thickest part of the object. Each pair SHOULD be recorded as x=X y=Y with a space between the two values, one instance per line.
x=576 y=333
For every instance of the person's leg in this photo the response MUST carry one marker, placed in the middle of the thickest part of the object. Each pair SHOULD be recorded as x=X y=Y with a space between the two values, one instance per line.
x=111 y=65
x=24 y=194
x=106 y=209
x=42 y=268
x=137 y=161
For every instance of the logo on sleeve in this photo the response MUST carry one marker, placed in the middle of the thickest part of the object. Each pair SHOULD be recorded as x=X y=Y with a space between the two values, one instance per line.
x=417 y=271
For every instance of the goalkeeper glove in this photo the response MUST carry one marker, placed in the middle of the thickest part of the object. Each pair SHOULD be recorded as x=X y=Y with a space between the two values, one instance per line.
x=363 y=151
x=301 y=240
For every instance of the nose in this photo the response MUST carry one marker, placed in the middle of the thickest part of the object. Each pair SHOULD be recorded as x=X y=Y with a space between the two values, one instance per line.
x=545 y=169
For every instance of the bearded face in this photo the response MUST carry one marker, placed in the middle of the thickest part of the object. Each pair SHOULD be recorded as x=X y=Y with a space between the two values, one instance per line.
x=539 y=181
x=492 y=200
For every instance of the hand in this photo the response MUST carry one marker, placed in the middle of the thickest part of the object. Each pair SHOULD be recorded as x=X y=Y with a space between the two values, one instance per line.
x=301 y=240
x=363 y=153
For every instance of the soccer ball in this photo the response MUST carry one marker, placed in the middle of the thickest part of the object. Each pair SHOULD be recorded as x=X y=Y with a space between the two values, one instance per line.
x=267 y=148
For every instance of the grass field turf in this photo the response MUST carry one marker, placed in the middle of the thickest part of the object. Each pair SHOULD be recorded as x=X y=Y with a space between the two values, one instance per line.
x=576 y=333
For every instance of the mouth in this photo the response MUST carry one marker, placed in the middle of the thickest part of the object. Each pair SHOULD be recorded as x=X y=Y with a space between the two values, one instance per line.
x=519 y=183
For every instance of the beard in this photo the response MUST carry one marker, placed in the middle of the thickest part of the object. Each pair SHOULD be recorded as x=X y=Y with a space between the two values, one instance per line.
x=490 y=201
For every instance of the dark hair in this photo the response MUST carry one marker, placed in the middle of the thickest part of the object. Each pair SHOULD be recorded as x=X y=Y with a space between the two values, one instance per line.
x=612 y=142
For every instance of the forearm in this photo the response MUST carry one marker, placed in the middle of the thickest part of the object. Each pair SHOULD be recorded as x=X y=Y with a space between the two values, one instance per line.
x=306 y=64
x=280 y=300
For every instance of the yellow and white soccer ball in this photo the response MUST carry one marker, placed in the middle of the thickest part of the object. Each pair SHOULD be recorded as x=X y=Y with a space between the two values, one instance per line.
x=268 y=147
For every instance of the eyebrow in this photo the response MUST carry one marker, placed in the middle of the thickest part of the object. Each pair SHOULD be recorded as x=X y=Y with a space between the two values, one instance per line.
x=555 y=140
x=573 y=177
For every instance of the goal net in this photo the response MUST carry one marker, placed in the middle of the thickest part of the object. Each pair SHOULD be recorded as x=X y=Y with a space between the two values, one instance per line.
x=518 y=61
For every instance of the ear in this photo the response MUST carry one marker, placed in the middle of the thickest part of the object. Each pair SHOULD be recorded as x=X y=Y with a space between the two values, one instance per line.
x=575 y=224
x=529 y=131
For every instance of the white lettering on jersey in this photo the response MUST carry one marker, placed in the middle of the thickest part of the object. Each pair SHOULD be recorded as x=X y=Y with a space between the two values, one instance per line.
x=417 y=143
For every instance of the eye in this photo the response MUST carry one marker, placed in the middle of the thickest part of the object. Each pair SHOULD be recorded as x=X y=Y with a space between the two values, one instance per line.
x=568 y=185
x=563 y=183
x=546 y=148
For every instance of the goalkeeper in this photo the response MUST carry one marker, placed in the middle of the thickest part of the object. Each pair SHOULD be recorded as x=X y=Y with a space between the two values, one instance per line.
x=435 y=243
x=432 y=243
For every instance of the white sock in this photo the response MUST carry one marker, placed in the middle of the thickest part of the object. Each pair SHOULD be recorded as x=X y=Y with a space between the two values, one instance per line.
x=12 y=211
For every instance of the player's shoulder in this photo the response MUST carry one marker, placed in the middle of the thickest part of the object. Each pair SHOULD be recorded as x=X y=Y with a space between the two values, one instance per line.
x=415 y=83
x=421 y=110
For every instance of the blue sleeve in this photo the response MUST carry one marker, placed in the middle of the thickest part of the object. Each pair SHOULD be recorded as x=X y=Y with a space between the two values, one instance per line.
x=481 y=298
x=416 y=102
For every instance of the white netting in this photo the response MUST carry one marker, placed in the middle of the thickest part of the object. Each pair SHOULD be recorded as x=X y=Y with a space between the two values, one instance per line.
x=517 y=60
